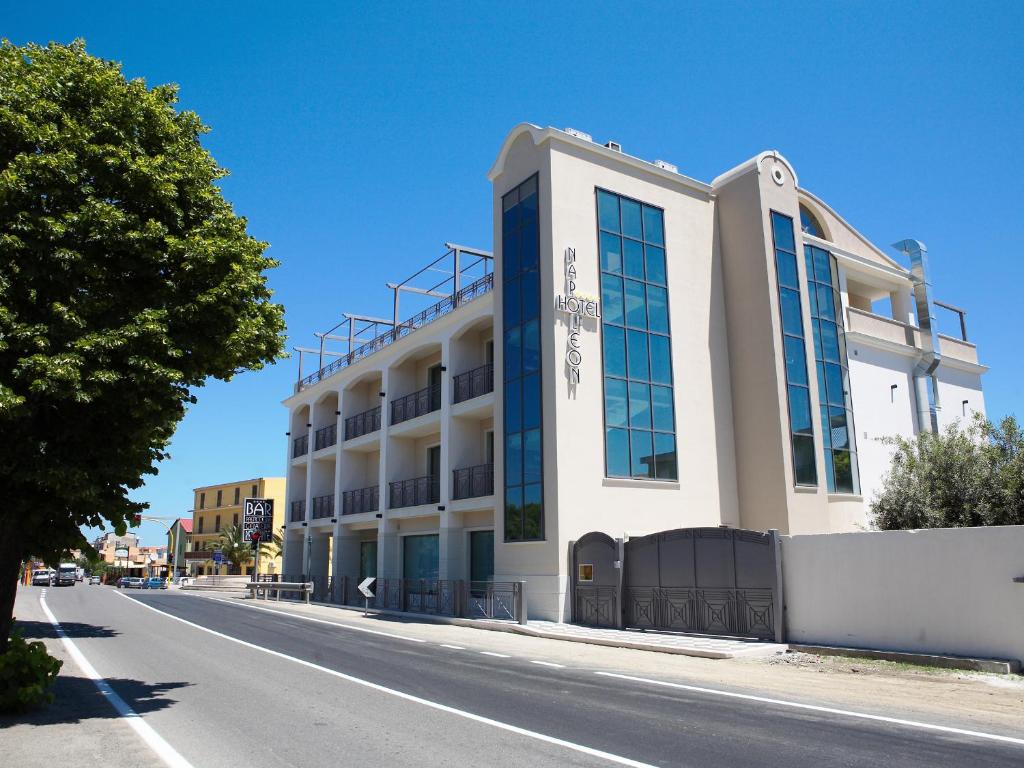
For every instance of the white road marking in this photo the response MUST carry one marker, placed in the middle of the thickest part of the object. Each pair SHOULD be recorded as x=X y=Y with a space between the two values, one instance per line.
x=318 y=621
x=496 y=655
x=617 y=759
x=816 y=708
x=549 y=664
x=453 y=647
x=156 y=742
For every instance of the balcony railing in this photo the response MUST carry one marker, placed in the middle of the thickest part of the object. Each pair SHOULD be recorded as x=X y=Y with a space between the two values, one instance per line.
x=360 y=500
x=325 y=437
x=298 y=512
x=323 y=506
x=474 y=383
x=416 y=491
x=470 y=482
x=474 y=290
x=417 y=404
x=362 y=423
x=300 y=446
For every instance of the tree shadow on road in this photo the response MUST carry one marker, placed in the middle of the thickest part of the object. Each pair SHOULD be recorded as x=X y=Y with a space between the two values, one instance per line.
x=77 y=699
x=40 y=630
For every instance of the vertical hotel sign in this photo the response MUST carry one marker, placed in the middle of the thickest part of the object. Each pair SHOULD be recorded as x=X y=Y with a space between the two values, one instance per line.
x=577 y=307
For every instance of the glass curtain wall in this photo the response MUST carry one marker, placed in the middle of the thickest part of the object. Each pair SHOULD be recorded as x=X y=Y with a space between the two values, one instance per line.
x=801 y=426
x=524 y=492
x=640 y=431
x=833 y=371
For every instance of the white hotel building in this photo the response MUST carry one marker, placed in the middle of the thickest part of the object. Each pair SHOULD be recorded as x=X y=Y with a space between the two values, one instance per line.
x=643 y=352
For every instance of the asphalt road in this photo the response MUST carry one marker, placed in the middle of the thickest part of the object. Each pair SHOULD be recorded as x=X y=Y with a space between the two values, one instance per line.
x=331 y=695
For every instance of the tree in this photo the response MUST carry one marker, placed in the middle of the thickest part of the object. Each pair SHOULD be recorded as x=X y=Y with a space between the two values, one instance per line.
x=235 y=548
x=274 y=548
x=126 y=281
x=966 y=475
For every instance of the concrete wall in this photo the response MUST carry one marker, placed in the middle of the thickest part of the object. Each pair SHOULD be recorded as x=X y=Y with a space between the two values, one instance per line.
x=944 y=591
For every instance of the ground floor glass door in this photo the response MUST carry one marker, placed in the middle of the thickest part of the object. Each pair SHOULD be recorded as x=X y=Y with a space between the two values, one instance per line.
x=481 y=560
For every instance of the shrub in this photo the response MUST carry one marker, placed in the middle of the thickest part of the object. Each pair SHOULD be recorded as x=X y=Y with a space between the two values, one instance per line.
x=26 y=673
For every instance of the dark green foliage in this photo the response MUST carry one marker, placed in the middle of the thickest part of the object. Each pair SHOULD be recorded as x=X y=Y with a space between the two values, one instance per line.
x=26 y=674
x=963 y=476
x=126 y=280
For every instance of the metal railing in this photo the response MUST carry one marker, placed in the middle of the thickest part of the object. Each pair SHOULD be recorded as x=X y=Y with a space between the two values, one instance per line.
x=360 y=500
x=298 y=511
x=479 y=381
x=418 y=403
x=470 y=482
x=323 y=506
x=325 y=437
x=300 y=446
x=415 y=491
x=501 y=600
x=362 y=423
x=474 y=290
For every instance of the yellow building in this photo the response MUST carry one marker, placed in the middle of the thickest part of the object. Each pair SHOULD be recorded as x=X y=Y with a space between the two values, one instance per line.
x=216 y=508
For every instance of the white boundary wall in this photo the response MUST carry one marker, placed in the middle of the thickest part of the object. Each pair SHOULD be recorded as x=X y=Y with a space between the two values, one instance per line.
x=942 y=591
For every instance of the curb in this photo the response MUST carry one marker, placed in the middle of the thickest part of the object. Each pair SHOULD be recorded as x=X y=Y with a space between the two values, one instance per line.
x=995 y=666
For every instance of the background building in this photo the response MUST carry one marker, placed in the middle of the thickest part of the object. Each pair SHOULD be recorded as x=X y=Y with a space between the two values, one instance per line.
x=668 y=353
x=179 y=544
x=216 y=507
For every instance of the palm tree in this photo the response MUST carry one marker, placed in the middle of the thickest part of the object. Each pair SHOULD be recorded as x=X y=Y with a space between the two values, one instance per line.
x=234 y=548
x=273 y=549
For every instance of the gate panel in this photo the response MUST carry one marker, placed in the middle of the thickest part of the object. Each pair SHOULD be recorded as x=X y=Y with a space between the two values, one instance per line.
x=595 y=581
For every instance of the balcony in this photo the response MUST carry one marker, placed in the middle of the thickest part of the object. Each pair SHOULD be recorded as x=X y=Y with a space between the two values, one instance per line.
x=298 y=512
x=362 y=423
x=418 y=403
x=360 y=500
x=300 y=446
x=414 y=492
x=323 y=506
x=325 y=437
x=471 y=482
x=474 y=383
x=895 y=332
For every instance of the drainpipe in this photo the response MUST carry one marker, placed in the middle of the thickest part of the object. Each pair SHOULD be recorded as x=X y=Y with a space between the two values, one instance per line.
x=929 y=357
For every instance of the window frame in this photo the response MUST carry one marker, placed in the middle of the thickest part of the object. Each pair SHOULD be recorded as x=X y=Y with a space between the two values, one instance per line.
x=626 y=328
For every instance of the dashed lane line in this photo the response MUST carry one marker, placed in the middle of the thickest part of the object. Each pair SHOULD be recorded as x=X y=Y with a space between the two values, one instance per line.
x=495 y=655
x=549 y=664
x=537 y=736
x=453 y=647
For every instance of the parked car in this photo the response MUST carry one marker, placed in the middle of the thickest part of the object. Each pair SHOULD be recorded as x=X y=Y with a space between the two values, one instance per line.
x=94 y=579
x=43 y=577
x=155 y=582
x=132 y=582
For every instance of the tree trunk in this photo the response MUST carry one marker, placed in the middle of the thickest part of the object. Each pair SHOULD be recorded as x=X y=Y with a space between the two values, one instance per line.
x=10 y=563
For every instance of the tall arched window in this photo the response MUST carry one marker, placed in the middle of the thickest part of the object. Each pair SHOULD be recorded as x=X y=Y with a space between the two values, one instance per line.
x=809 y=222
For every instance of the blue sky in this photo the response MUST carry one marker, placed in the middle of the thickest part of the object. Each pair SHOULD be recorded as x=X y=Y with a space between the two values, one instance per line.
x=358 y=139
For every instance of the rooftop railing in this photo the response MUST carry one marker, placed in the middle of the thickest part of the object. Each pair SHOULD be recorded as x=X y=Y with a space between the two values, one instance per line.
x=474 y=290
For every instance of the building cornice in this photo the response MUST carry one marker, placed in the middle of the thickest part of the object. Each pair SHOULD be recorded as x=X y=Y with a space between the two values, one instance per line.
x=815 y=200
x=849 y=258
x=542 y=135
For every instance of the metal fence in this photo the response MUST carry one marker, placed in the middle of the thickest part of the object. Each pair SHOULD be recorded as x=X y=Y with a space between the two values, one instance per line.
x=360 y=500
x=325 y=437
x=418 y=403
x=300 y=446
x=479 y=381
x=470 y=482
x=415 y=491
x=323 y=506
x=472 y=291
x=298 y=512
x=362 y=423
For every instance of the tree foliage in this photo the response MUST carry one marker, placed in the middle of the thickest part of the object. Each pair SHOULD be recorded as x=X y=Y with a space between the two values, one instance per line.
x=967 y=475
x=126 y=281
x=235 y=548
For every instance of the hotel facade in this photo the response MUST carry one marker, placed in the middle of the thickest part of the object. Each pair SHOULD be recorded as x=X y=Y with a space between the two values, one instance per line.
x=642 y=352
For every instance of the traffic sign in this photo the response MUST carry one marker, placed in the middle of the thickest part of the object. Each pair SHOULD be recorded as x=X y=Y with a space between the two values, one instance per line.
x=364 y=587
x=258 y=519
x=218 y=557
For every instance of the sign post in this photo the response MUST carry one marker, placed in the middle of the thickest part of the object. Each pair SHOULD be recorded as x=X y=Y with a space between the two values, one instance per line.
x=364 y=587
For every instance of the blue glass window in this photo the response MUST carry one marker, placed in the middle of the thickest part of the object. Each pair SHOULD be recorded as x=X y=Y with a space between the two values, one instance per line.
x=833 y=373
x=640 y=439
x=524 y=508
x=801 y=426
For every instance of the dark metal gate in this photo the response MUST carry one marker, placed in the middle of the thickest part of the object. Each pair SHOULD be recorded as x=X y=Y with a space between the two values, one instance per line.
x=596 y=581
x=718 y=581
